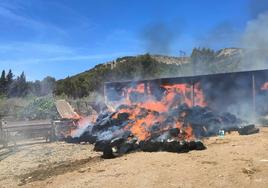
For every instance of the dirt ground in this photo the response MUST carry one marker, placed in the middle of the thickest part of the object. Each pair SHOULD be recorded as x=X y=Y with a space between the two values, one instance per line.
x=234 y=161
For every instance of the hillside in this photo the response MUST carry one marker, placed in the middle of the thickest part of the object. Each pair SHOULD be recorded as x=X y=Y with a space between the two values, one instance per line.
x=201 y=61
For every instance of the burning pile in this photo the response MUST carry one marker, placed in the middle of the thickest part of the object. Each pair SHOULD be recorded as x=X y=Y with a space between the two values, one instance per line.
x=162 y=119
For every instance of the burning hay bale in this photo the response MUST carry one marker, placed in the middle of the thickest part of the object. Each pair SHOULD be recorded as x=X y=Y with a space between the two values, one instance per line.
x=169 y=122
x=114 y=133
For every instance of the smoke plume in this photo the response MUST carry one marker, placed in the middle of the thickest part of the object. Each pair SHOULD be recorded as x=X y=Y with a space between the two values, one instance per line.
x=255 y=41
x=159 y=37
x=223 y=34
x=257 y=7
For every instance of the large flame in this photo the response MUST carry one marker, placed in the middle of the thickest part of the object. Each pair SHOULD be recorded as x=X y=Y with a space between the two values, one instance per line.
x=147 y=111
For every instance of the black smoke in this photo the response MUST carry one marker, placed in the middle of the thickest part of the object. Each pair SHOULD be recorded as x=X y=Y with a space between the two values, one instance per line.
x=158 y=38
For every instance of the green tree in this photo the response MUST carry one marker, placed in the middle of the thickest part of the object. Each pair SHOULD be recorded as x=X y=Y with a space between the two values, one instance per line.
x=3 y=83
x=23 y=85
x=19 y=87
x=9 y=80
x=9 y=77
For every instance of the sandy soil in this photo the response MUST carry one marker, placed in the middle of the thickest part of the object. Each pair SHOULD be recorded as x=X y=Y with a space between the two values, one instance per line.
x=234 y=161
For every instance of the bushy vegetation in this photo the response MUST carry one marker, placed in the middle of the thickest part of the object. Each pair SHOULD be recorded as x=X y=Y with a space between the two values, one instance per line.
x=10 y=107
x=28 y=108
x=40 y=108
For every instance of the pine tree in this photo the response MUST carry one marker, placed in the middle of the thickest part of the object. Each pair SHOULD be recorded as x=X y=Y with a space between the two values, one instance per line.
x=3 y=83
x=9 y=81
x=23 y=85
x=19 y=87
x=9 y=77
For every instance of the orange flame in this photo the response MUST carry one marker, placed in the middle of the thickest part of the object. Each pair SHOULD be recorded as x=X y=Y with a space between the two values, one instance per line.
x=264 y=86
x=156 y=111
x=82 y=123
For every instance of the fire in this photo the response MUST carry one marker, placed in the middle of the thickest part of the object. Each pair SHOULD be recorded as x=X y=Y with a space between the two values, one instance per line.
x=82 y=124
x=199 y=96
x=264 y=86
x=148 y=112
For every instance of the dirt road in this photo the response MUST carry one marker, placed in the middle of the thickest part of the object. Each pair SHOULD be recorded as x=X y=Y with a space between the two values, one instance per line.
x=234 y=161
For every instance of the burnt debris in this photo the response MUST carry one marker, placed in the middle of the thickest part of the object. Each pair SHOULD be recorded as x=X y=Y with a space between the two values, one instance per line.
x=247 y=130
x=119 y=146
x=112 y=133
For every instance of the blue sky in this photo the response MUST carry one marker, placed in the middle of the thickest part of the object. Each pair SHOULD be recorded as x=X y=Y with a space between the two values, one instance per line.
x=61 y=38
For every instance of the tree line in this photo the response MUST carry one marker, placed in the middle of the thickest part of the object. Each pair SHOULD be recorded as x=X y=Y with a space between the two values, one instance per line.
x=126 y=68
x=11 y=86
